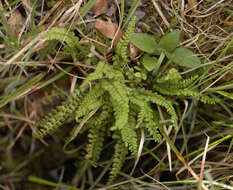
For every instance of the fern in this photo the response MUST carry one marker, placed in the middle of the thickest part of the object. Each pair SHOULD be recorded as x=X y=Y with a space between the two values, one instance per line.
x=103 y=70
x=187 y=83
x=61 y=34
x=55 y=119
x=146 y=118
x=120 y=101
x=121 y=49
x=172 y=75
x=90 y=101
x=104 y=116
x=171 y=84
x=96 y=138
x=123 y=108
x=155 y=98
x=118 y=160
x=129 y=135
x=98 y=74
x=97 y=132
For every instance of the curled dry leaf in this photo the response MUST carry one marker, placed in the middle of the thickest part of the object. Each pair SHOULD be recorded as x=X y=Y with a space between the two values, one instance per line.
x=108 y=29
x=16 y=21
x=100 y=7
x=133 y=51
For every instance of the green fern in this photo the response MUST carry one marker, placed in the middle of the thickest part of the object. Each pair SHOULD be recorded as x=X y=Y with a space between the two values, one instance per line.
x=129 y=135
x=123 y=108
x=61 y=34
x=118 y=160
x=96 y=136
x=172 y=75
x=103 y=70
x=97 y=128
x=147 y=118
x=121 y=49
x=120 y=101
x=55 y=119
x=156 y=98
x=173 y=84
x=98 y=74
x=90 y=101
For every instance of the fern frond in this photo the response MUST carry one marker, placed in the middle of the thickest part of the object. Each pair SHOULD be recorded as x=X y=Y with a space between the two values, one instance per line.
x=174 y=80
x=152 y=125
x=129 y=135
x=103 y=117
x=174 y=83
x=187 y=83
x=55 y=119
x=118 y=160
x=96 y=138
x=122 y=45
x=160 y=100
x=97 y=74
x=171 y=84
x=146 y=118
x=103 y=71
x=119 y=100
x=97 y=132
x=140 y=108
x=90 y=101
x=163 y=89
x=61 y=34
x=172 y=75
x=167 y=89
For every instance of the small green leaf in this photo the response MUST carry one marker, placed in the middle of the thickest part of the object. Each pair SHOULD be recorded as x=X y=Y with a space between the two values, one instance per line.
x=170 y=41
x=138 y=75
x=144 y=42
x=149 y=62
x=185 y=58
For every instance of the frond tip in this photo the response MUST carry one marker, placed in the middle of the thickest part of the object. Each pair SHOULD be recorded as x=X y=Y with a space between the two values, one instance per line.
x=118 y=160
x=55 y=119
x=122 y=45
x=61 y=34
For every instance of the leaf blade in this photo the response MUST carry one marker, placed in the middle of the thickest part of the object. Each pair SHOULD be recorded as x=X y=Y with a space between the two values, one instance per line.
x=186 y=58
x=170 y=41
x=149 y=62
x=144 y=42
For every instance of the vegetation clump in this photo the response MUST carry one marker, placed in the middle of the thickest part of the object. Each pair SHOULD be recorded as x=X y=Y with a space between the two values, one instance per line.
x=122 y=108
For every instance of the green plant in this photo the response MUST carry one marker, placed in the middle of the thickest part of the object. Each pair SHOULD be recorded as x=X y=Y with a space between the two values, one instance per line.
x=128 y=92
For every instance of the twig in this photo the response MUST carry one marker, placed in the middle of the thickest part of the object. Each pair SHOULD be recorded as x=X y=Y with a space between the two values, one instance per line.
x=17 y=137
x=214 y=82
x=167 y=144
x=139 y=151
x=203 y=163
x=49 y=13
x=160 y=13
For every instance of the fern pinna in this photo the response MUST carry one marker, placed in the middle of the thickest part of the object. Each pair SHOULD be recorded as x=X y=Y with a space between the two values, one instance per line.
x=123 y=108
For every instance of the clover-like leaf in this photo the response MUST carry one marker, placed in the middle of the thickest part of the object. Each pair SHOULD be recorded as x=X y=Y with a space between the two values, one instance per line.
x=186 y=58
x=144 y=42
x=149 y=62
x=170 y=41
